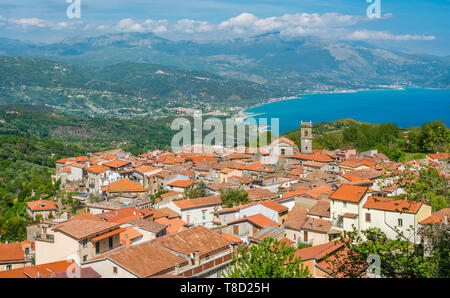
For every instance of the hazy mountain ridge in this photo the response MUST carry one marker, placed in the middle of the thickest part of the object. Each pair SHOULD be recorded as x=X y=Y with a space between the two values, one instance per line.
x=298 y=65
x=125 y=89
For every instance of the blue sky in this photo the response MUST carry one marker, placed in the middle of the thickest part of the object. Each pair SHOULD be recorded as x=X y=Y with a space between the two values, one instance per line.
x=407 y=25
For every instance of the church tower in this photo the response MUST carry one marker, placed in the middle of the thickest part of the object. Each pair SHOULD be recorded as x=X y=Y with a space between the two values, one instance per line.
x=306 y=137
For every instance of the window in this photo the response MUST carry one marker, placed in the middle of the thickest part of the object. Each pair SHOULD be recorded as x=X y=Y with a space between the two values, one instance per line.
x=97 y=247
x=110 y=242
x=283 y=151
x=8 y=267
x=204 y=214
x=305 y=236
x=345 y=204
x=115 y=270
x=295 y=237
x=85 y=242
x=27 y=251
x=400 y=222
x=84 y=258
x=367 y=217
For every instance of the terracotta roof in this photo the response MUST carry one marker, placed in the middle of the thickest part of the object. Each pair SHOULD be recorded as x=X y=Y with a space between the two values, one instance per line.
x=198 y=202
x=173 y=225
x=230 y=237
x=169 y=213
x=349 y=193
x=125 y=185
x=13 y=251
x=321 y=208
x=127 y=236
x=283 y=139
x=145 y=169
x=86 y=215
x=117 y=163
x=82 y=228
x=288 y=242
x=42 y=205
x=109 y=234
x=268 y=204
x=319 y=251
x=260 y=194
x=296 y=217
x=314 y=157
x=97 y=169
x=257 y=219
x=171 y=194
x=146 y=259
x=363 y=174
x=39 y=270
x=198 y=238
x=77 y=165
x=438 y=217
x=85 y=272
x=125 y=215
x=267 y=232
x=182 y=183
x=394 y=205
x=147 y=225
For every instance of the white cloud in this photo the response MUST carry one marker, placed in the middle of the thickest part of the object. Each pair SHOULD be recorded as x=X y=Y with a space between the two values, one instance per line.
x=129 y=25
x=30 y=22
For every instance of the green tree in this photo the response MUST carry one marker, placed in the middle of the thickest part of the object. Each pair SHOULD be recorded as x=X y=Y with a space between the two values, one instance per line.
x=399 y=258
x=234 y=196
x=267 y=259
x=197 y=191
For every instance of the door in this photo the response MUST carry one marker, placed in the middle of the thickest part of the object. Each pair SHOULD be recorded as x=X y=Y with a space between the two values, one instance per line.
x=305 y=236
x=236 y=230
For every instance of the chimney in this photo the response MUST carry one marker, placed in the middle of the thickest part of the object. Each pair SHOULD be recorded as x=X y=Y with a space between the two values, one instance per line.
x=44 y=232
x=177 y=269
x=196 y=257
x=117 y=213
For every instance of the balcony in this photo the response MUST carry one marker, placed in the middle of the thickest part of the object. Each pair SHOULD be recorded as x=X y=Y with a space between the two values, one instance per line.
x=45 y=237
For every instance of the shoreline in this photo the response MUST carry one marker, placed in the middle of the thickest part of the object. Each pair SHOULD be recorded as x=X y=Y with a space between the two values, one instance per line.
x=243 y=113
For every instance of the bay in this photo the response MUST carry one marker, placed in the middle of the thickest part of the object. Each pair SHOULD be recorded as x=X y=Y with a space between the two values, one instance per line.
x=406 y=108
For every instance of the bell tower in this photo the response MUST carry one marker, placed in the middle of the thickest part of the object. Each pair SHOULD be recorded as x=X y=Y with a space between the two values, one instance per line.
x=306 y=137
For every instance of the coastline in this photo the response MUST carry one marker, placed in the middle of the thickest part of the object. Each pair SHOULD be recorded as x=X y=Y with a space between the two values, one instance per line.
x=243 y=113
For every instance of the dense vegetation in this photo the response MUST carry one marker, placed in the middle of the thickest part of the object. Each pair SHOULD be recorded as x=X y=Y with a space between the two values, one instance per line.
x=267 y=259
x=124 y=90
x=398 y=144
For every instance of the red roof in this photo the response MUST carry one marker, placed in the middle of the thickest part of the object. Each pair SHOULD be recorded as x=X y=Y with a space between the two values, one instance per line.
x=182 y=183
x=349 y=193
x=394 y=205
x=97 y=169
x=42 y=205
x=257 y=219
x=125 y=185
x=117 y=163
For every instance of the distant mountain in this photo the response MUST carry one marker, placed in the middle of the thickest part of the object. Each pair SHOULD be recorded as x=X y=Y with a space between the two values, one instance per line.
x=295 y=65
x=124 y=90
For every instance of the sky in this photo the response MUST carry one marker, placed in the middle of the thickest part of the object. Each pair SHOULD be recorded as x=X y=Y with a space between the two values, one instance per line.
x=406 y=25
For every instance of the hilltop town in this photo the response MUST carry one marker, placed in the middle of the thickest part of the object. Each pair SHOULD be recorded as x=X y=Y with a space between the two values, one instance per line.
x=184 y=214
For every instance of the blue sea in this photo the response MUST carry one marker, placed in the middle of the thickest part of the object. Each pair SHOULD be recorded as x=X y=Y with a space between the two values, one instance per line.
x=406 y=108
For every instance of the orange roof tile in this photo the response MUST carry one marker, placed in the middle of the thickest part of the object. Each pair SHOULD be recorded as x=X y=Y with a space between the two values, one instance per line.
x=42 y=205
x=394 y=205
x=257 y=219
x=349 y=193
x=125 y=185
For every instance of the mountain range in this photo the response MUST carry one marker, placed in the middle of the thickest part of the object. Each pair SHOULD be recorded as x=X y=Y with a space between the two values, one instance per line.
x=142 y=67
